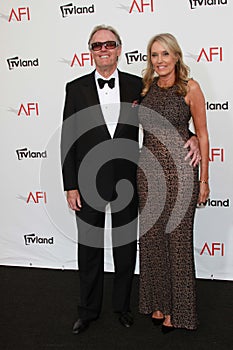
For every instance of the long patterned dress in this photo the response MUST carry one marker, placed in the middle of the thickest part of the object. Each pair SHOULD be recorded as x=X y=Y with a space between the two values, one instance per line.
x=168 y=190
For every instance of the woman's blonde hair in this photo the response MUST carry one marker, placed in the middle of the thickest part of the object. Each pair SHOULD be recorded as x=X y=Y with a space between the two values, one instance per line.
x=181 y=70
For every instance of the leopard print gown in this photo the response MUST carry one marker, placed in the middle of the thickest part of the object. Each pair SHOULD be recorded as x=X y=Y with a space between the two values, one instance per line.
x=168 y=190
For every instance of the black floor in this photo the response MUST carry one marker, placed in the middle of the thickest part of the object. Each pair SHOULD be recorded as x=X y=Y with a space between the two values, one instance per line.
x=38 y=307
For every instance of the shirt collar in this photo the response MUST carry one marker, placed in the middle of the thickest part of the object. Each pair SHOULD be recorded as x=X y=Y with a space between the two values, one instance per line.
x=114 y=75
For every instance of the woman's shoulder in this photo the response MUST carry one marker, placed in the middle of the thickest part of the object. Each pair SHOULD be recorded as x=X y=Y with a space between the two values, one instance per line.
x=193 y=85
x=194 y=93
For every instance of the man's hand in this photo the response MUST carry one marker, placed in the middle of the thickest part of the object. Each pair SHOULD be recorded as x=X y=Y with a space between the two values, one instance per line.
x=194 y=152
x=73 y=199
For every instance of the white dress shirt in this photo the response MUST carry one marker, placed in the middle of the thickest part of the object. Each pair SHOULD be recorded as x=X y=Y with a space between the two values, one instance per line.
x=109 y=101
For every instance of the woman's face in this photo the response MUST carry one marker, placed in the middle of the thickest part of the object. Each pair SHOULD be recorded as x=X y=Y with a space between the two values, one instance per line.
x=163 y=60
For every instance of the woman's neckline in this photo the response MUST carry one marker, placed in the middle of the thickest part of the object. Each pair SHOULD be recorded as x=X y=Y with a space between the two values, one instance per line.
x=163 y=87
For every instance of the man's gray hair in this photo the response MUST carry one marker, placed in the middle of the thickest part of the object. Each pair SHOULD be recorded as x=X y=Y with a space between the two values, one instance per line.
x=105 y=27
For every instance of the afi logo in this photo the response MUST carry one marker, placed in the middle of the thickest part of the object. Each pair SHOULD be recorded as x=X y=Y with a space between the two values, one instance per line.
x=19 y=13
x=37 y=197
x=217 y=153
x=140 y=4
x=214 y=247
x=84 y=57
x=29 y=109
x=208 y=54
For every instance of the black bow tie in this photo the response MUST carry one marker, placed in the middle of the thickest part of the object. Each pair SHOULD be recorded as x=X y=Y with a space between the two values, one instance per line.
x=102 y=82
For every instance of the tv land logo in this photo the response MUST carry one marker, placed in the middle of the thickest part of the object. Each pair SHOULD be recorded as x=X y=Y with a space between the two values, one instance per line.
x=217 y=106
x=25 y=153
x=218 y=203
x=32 y=238
x=135 y=56
x=199 y=3
x=70 y=10
x=17 y=62
x=19 y=14
x=213 y=249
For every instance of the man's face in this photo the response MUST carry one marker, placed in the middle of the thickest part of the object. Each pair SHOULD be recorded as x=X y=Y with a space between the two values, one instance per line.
x=105 y=59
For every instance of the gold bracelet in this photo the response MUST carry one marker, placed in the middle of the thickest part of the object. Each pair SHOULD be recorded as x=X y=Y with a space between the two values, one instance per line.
x=203 y=182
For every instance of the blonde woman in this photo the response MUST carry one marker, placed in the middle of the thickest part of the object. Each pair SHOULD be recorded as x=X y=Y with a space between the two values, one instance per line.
x=169 y=188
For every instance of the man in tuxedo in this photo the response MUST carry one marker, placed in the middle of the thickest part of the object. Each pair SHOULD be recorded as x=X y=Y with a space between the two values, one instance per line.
x=99 y=149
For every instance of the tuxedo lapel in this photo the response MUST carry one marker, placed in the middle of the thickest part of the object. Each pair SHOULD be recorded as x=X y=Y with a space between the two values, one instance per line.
x=124 y=101
x=124 y=90
x=91 y=94
x=91 y=90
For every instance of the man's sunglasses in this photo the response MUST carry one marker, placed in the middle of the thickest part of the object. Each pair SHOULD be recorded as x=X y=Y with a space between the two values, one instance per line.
x=109 y=45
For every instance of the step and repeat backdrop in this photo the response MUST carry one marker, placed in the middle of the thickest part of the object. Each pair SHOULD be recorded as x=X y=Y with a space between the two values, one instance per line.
x=43 y=46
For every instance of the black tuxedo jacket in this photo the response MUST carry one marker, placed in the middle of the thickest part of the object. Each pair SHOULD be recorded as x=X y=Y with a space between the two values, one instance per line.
x=86 y=140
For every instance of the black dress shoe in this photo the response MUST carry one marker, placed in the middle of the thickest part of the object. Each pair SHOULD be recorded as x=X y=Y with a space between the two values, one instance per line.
x=167 y=329
x=157 y=321
x=80 y=326
x=126 y=319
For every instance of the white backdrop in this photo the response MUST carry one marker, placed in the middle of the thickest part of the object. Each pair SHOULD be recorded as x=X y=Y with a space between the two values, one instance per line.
x=44 y=45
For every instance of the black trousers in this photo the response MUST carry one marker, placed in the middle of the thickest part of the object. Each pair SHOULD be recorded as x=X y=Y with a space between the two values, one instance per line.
x=90 y=223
